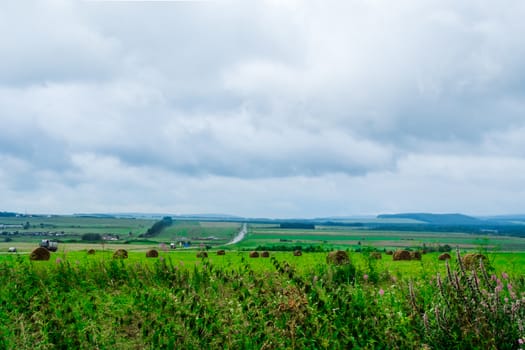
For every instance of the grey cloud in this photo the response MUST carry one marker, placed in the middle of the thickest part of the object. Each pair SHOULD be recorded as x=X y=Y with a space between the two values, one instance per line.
x=276 y=94
x=50 y=42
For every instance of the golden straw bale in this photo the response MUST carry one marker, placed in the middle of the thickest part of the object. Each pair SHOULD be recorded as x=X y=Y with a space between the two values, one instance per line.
x=40 y=253
x=375 y=255
x=338 y=257
x=202 y=254
x=152 y=253
x=444 y=256
x=415 y=255
x=471 y=261
x=401 y=255
x=120 y=254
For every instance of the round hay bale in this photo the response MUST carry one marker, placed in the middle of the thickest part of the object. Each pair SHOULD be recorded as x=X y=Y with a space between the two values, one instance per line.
x=375 y=255
x=254 y=254
x=265 y=254
x=40 y=253
x=202 y=254
x=401 y=255
x=415 y=255
x=471 y=261
x=120 y=254
x=297 y=253
x=221 y=252
x=338 y=257
x=444 y=256
x=91 y=251
x=152 y=253
x=389 y=252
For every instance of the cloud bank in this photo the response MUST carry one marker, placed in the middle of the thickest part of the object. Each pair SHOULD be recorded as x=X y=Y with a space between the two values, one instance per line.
x=273 y=108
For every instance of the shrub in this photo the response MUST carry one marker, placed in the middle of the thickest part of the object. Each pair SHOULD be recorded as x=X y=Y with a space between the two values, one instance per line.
x=92 y=237
x=471 y=311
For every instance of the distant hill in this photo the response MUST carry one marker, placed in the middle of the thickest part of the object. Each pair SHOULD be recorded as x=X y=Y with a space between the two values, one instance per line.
x=507 y=218
x=436 y=219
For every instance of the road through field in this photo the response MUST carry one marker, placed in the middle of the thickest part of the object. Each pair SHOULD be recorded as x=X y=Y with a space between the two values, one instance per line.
x=240 y=236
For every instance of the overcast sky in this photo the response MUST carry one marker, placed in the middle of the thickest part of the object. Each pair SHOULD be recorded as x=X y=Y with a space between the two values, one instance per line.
x=262 y=108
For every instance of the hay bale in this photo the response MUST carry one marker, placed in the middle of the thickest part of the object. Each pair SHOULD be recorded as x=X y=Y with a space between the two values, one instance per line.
x=375 y=255
x=415 y=255
x=152 y=253
x=40 y=253
x=297 y=253
x=265 y=254
x=401 y=255
x=338 y=257
x=471 y=261
x=202 y=254
x=120 y=254
x=221 y=252
x=91 y=251
x=444 y=256
x=254 y=254
x=389 y=252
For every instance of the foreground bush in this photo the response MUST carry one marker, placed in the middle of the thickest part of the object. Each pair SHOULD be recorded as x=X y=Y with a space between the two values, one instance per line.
x=121 y=304
x=471 y=309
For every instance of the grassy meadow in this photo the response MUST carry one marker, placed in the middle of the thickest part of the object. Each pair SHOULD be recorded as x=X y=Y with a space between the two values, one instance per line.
x=332 y=237
x=177 y=300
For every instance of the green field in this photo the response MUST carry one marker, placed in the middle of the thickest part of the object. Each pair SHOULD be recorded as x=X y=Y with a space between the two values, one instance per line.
x=81 y=301
x=213 y=233
x=76 y=226
x=70 y=228
x=77 y=300
x=344 y=237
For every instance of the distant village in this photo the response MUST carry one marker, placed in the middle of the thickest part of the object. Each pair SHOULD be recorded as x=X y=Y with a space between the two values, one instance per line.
x=20 y=230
